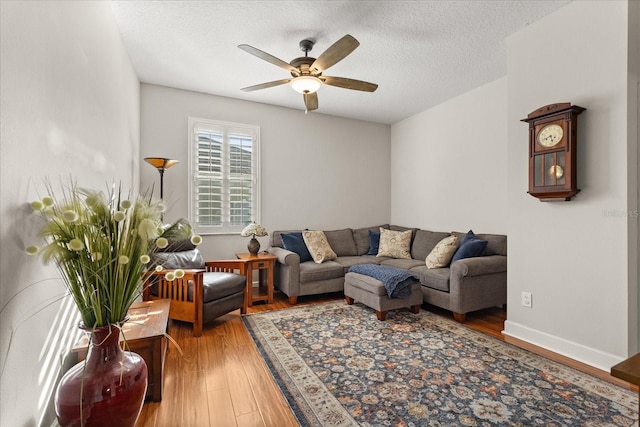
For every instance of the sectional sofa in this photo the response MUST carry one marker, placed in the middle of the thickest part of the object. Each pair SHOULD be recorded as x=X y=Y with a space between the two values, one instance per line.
x=464 y=286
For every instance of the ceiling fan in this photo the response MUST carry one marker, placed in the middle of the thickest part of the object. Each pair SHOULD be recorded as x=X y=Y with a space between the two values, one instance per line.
x=307 y=72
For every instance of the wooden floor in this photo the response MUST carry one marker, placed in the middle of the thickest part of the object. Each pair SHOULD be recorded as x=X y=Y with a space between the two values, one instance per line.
x=221 y=380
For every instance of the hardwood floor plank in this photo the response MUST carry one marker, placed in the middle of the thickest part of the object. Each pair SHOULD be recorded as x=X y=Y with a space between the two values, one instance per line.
x=272 y=405
x=252 y=419
x=214 y=365
x=239 y=385
x=221 y=408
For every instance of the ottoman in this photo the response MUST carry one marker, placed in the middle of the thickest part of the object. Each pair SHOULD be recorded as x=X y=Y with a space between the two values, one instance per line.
x=372 y=293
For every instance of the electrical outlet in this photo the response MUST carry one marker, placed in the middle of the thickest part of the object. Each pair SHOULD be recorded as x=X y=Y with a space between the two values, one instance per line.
x=526 y=299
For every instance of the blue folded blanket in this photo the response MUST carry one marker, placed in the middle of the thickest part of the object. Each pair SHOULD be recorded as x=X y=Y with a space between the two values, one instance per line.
x=396 y=281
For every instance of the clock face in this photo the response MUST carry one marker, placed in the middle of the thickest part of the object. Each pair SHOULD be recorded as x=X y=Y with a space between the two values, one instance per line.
x=550 y=135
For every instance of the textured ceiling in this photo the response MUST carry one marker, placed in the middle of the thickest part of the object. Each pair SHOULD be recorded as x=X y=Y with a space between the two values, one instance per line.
x=420 y=53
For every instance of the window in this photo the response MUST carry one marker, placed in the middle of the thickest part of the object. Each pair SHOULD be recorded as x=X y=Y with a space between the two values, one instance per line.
x=224 y=170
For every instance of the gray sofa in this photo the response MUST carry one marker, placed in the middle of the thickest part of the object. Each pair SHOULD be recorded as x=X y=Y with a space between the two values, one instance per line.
x=464 y=286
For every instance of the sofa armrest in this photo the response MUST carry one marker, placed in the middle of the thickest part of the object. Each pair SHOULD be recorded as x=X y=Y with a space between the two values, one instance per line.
x=285 y=256
x=477 y=283
x=287 y=271
x=479 y=265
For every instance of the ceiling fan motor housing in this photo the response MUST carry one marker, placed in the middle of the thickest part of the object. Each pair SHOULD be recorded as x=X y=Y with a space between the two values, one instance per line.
x=302 y=63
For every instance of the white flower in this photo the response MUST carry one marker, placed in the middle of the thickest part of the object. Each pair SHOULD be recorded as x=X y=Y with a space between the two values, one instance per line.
x=70 y=216
x=37 y=205
x=159 y=268
x=145 y=259
x=179 y=273
x=49 y=211
x=47 y=201
x=162 y=242
x=196 y=239
x=125 y=204
x=147 y=230
x=32 y=250
x=76 y=245
x=119 y=216
x=123 y=259
x=170 y=276
x=96 y=256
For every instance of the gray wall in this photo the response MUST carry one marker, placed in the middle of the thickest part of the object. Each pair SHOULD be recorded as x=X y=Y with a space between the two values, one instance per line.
x=317 y=171
x=69 y=107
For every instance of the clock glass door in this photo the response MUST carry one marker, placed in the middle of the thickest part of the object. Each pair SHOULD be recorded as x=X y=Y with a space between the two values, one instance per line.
x=549 y=169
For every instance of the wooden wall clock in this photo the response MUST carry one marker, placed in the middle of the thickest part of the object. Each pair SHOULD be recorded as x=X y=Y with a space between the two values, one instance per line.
x=553 y=135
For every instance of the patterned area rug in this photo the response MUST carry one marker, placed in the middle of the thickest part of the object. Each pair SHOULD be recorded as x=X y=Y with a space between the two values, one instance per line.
x=337 y=365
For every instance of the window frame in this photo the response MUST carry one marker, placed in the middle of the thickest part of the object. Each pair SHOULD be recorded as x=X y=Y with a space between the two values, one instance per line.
x=195 y=124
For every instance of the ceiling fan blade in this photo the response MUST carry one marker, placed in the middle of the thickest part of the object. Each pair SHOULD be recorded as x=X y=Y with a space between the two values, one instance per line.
x=265 y=85
x=311 y=101
x=269 y=58
x=346 y=83
x=334 y=54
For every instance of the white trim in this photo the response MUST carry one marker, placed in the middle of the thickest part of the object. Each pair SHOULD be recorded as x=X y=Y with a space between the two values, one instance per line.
x=590 y=356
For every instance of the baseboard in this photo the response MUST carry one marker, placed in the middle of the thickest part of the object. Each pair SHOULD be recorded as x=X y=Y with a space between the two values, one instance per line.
x=589 y=356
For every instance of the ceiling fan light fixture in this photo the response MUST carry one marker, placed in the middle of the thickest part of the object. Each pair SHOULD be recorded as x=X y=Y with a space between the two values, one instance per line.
x=306 y=84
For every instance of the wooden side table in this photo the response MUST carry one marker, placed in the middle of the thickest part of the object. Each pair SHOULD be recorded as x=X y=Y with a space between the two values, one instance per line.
x=264 y=263
x=629 y=370
x=145 y=335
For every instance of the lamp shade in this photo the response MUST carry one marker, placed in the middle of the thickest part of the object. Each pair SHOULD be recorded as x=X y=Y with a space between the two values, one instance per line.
x=254 y=229
x=160 y=162
x=306 y=84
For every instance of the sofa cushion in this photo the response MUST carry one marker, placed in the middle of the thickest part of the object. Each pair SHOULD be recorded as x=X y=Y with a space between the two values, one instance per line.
x=424 y=242
x=312 y=272
x=219 y=285
x=348 y=261
x=184 y=259
x=361 y=237
x=341 y=241
x=435 y=278
x=402 y=263
x=374 y=242
x=318 y=246
x=395 y=244
x=496 y=243
x=441 y=254
x=295 y=243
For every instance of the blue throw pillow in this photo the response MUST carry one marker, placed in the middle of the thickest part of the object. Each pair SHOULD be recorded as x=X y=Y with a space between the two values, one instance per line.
x=295 y=243
x=374 y=242
x=470 y=249
x=468 y=237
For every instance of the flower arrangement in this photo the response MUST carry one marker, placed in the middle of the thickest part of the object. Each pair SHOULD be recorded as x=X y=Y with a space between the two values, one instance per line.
x=102 y=245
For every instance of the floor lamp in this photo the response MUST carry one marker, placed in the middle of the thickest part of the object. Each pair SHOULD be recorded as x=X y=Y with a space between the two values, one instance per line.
x=161 y=164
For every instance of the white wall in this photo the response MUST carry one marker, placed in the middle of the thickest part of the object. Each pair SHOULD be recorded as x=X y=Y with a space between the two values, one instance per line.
x=577 y=258
x=449 y=164
x=317 y=171
x=69 y=107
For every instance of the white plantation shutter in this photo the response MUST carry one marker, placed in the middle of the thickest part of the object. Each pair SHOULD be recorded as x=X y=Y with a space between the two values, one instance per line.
x=224 y=188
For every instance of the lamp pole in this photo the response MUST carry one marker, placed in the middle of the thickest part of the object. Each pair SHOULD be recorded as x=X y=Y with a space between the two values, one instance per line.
x=162 y=164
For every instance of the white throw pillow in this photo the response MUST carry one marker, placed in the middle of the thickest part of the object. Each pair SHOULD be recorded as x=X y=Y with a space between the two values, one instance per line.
x=318 y=246
x=442 y=253
x=395 y=244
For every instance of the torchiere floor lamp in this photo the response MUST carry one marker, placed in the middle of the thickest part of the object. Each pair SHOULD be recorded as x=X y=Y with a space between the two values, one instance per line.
x=161 y=164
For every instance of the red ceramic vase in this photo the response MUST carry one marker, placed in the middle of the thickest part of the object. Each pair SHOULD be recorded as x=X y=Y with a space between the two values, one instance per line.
x=110 y=383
